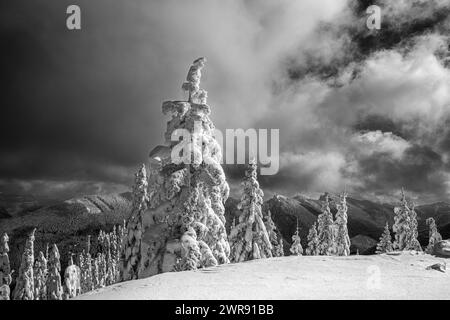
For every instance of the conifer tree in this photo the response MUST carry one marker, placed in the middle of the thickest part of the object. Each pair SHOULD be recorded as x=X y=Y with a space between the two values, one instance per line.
x=115 y=255
x=110 y=267
x=72 y=280
x=85 y=262
x=40 y=277
x=249 y=239
x=24 y=289
x=5 y=267
x=342 y=239
x=296 y=247
x=192 y=186
x=405 y=226
x=434 y=235
x=54 y=287
x=103 y=271
x=385 y=244
x=96 y=274
x=88 y=266
x=46 y=251
x=326 y=230
x=132 y=242
x=274 y=236
x=313 y=242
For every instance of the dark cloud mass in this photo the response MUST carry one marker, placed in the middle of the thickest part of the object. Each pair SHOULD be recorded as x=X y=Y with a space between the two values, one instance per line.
x=368 y=110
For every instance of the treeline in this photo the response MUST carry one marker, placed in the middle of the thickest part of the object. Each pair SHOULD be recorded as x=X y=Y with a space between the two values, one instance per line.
x=43 y=279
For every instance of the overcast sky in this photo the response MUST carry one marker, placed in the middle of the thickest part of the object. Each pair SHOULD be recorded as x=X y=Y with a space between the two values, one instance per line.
x=366 y=110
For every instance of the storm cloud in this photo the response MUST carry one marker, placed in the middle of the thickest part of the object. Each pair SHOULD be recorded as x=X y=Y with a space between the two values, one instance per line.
x=360 y=109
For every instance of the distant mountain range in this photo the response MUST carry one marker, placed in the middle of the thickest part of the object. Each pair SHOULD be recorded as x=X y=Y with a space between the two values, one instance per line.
x=67 y=223
x=366 y=219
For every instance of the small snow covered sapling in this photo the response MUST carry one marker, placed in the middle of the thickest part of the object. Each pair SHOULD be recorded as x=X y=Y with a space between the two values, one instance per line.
x=313 y=241
x=296 y=247
x=385 y=244
x=434 y=235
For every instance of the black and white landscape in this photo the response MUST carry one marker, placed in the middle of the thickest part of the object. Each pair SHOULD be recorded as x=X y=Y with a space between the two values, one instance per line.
x=119 y=180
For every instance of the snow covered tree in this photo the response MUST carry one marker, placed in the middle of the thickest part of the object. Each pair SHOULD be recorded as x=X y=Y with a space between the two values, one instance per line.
x=72 y=280
x=385 y=244
x=40 y=277
x=313 y=242
x=326 y=230
x=414 y=243
x=187 y=189
x=103 y=271
x=434 y=235
x=115 y=254
x=85 y=261
x=96 y=274
x=405 y=226
x=274 y=236
x=54 y=288
x=110 y=268
x=342 y=241
x=5 y=268
x=24 y=289
x=249 y=238
x=132 y=242
x=296 y=247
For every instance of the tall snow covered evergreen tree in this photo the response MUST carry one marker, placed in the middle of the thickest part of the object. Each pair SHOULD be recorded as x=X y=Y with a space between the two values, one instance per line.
x=313 y=242
x=132 y=243
x=385 y=244
x=325 y=230
x=24 y=289
x=296 y=247
x=274 y=236
x=96 y=273
x=85 y=261
x=5 y=268
x=54 y=287
x=342 y=241
x=249 y=238
x=40 y=277
x=434 y=235
x=405 y=226
x=187 y=189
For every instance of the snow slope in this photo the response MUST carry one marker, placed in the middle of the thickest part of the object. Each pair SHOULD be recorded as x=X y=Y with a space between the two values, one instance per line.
x=304 y=277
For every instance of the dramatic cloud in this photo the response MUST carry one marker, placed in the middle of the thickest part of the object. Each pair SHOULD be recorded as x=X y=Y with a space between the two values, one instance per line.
x=366 y=110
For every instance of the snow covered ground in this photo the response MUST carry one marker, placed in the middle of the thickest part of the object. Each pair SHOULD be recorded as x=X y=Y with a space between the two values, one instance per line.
x=305 y=277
